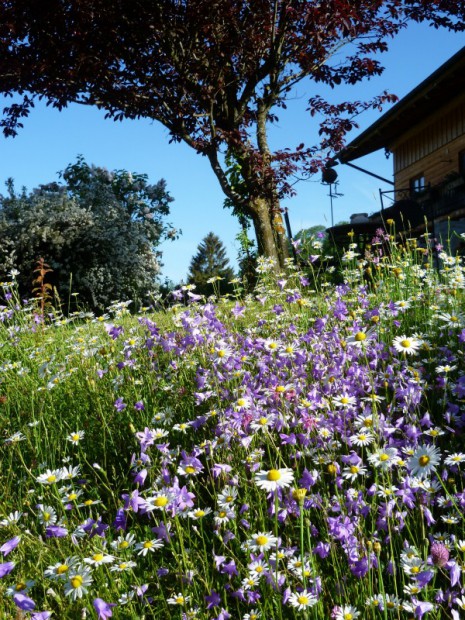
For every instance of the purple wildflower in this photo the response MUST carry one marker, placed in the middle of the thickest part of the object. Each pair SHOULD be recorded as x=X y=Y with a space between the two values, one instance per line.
x=11 y=544
x=213 y=599
x=103 y=609
x=119 y=404
x=56 y=531
x=23 y=602
x=6 y=568
x=120 y=520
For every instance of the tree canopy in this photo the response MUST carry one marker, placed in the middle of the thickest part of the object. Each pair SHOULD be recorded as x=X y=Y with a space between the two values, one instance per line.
x=214 y=72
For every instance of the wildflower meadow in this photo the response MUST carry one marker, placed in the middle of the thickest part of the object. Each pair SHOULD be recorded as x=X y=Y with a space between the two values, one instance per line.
x=297 y=452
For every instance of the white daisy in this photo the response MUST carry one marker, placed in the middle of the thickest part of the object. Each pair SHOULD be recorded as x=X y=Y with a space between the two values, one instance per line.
x=148 y=545
x=352 y=472
x=250 y=582
x=123 y=542
x=262 y=541
x=159 y=501
x=99 y=558
x=51 y=476
x=47 y=515
x=178 y=599
x=274 y=479
x=123 y=566
x=223 y=516
x=79 y=580
x=362 y=439
x=60 y=570
x=384 y=458
x=20 y=587
x=75 y=437
x=302 y=600
x=424 y=461
x=227 y=496
x=408 y=345
x=455 y=459
x=199 y=513
x=345 y=401
x=347 y=612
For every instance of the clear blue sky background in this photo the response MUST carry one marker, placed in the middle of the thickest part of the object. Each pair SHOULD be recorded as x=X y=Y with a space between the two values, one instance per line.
x=50 y=140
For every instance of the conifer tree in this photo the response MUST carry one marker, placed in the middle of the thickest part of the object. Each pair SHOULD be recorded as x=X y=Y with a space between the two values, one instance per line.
x=208 y=263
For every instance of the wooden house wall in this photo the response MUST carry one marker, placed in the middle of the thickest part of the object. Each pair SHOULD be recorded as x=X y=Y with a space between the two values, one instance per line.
x=432 y=148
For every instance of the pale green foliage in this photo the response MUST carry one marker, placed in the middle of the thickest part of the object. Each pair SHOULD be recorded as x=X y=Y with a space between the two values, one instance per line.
x=98 y=232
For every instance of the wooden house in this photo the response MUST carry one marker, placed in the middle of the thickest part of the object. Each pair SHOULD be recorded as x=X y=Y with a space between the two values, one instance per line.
x=425 y=132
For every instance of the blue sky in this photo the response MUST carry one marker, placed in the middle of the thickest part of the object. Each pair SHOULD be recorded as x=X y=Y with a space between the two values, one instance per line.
x=51 y=139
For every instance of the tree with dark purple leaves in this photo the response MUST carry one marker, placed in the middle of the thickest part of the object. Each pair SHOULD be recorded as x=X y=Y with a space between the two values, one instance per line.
x=214 y=73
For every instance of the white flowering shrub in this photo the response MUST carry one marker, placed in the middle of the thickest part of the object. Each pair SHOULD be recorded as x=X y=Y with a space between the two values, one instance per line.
x=98 y=231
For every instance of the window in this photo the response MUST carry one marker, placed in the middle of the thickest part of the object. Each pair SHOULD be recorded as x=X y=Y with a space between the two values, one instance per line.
x=417 y=184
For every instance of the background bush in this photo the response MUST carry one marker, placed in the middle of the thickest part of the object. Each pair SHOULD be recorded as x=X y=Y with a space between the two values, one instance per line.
x=98 y=231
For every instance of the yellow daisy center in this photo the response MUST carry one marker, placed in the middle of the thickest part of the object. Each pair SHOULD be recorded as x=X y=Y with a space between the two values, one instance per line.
x=261 y=540
x=179 y=600
x=263 y=421
x=360 y=337
x=20 y=586
x=303 y=600
x=75 y=437
x=88 y=502
x=63 y=568
x=123 y=544
x=160 y=502
x=189 y=469
x=51 y=478
x=406 y=343
x=76 y=581
x=98 y=557
x=199 y=513
x=354 y=469
x=384 y=457
x=424 y=460
x=273 y=475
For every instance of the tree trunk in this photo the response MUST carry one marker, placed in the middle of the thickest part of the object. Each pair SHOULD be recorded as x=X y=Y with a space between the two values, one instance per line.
x=264 y=232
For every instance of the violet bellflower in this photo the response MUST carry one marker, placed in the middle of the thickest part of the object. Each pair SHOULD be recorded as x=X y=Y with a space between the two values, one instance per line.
x=11 y=544
x=6 y=568
x=23 y=602
x=103 y=609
